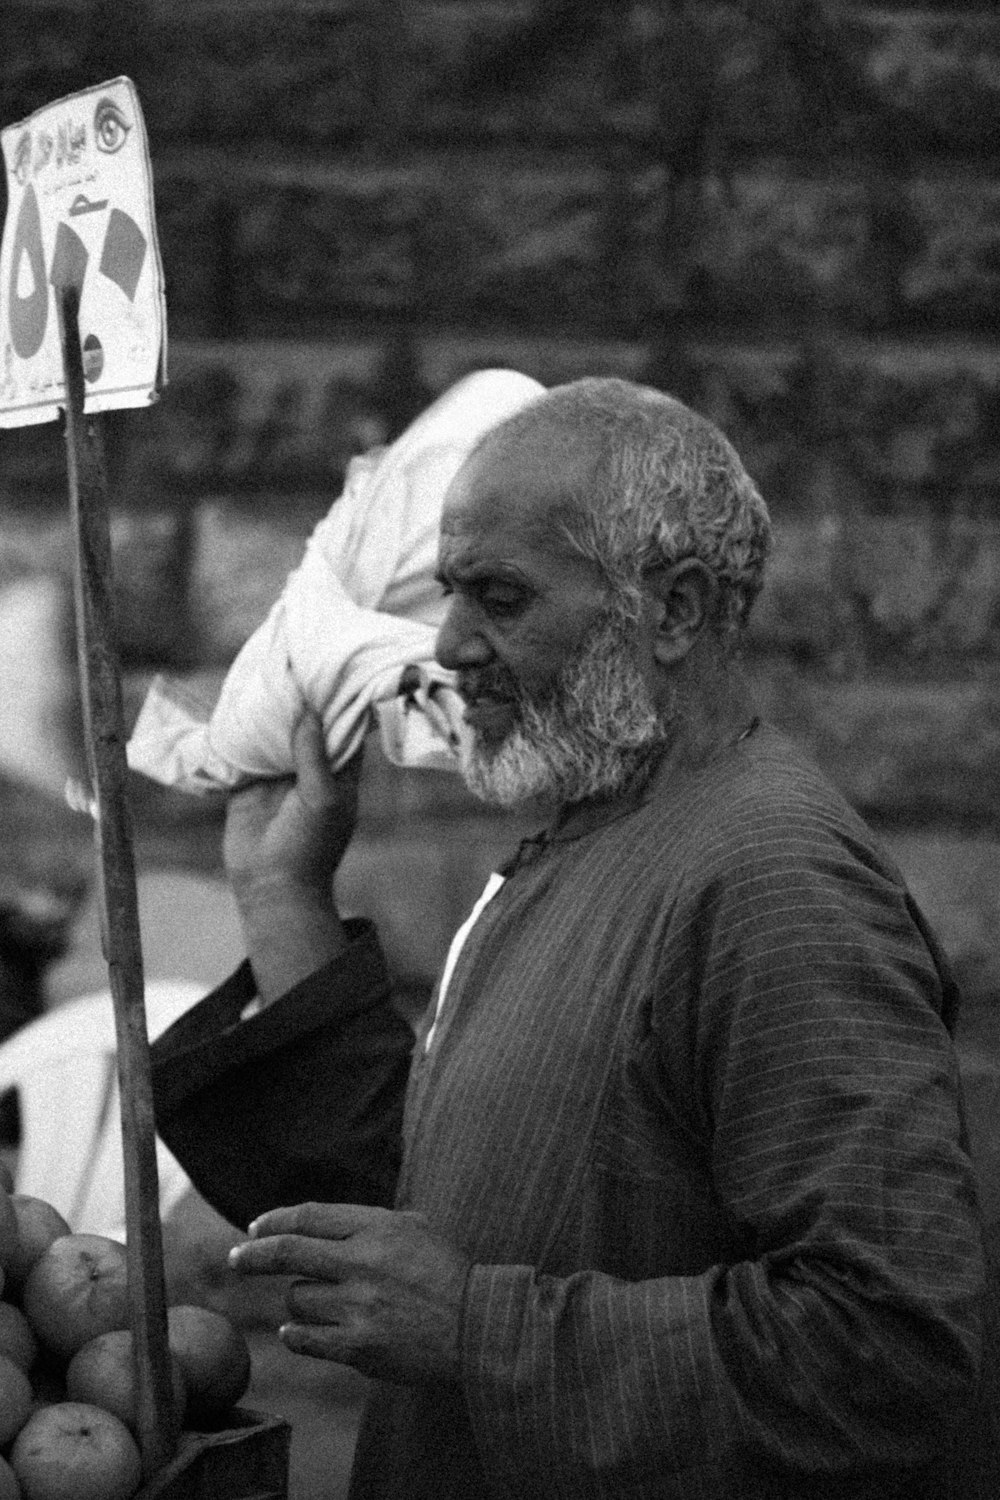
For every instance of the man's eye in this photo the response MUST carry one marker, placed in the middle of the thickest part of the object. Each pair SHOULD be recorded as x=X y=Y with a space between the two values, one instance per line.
x=501 y=603
x=496 y=600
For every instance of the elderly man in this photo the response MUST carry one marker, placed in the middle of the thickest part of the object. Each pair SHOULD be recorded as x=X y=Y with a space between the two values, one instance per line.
x=681 y=1197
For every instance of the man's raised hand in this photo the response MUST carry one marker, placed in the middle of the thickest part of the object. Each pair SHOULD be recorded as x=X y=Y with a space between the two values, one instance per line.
x=284 y=839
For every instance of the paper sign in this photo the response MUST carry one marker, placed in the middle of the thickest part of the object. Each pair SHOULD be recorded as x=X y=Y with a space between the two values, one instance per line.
x=80 y=213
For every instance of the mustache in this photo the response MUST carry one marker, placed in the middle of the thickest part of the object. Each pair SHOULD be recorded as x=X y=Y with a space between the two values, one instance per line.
x=495 y=681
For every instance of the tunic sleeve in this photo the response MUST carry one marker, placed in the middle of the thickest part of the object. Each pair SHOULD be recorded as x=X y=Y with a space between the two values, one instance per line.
x=300 y=1101
x=799 y=1025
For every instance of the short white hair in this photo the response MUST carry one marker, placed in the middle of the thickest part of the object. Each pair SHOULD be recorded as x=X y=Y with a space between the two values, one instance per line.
x=667 y=485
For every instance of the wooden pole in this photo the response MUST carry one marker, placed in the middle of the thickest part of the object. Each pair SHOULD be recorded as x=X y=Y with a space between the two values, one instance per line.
x=105 y=743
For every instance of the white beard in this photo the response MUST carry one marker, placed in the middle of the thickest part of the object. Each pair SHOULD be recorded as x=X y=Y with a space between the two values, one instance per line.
x=586 y=739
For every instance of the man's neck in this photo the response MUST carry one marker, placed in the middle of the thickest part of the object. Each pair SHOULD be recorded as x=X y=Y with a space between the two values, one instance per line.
x=713 y=708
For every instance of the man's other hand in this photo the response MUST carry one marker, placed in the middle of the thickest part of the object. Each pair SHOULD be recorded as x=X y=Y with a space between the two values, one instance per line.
x=378 y=1290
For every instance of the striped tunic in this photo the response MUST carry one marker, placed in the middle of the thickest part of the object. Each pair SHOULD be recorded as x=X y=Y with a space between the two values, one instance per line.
x=691 y=1107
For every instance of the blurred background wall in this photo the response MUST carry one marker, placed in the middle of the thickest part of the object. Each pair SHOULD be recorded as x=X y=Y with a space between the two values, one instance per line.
x=787 y=212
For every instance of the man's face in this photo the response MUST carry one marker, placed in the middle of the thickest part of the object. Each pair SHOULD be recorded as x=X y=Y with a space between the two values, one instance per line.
x=559 y=701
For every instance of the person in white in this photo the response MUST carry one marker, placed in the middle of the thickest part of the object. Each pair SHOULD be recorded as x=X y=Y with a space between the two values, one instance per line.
x=352 y=634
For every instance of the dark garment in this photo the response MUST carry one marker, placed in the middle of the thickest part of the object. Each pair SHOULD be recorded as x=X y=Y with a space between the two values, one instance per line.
x=692 y=1109
x=303 y=1101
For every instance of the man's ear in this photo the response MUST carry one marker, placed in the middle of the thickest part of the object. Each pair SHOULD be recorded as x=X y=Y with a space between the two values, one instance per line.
x=684 y=596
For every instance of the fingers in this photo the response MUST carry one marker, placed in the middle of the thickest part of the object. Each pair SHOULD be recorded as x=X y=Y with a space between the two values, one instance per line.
x=344 y=1344
x=306 y=1240
x=312 y=771
x=322 y=1323
x=318 y=1342
x=288 y=1255
x=317 y=782
x=316 y=1302
x=374 y=1288
x=333 y=1221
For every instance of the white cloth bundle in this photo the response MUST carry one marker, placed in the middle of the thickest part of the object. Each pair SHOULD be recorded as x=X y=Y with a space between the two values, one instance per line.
x=361 y=610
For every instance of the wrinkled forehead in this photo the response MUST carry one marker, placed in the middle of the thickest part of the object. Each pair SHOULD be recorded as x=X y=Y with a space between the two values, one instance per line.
x=524 y=475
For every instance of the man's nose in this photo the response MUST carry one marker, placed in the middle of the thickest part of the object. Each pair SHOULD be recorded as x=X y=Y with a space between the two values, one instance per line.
x=460 y=644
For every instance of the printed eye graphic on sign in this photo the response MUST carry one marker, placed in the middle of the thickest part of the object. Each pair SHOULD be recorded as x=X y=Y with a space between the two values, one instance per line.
x=80 y=214
x=110 y=127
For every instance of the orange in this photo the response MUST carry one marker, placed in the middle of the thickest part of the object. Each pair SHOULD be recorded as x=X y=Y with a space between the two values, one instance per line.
x=38 y=1224
x=73 y=1451
x=76 y=1289
x=103 y=1374
x=9 y=1487
x=214 y=1358
x=15 y=1399
x=8 y=1229
x=17 y=1340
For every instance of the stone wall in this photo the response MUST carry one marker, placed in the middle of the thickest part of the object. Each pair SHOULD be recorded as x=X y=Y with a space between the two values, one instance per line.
x=785 y=211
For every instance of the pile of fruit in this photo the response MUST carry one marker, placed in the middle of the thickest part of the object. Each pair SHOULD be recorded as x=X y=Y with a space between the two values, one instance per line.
x=67 y=1382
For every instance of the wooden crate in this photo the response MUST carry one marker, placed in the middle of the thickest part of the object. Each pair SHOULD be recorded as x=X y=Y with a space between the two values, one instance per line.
x=246 y=1460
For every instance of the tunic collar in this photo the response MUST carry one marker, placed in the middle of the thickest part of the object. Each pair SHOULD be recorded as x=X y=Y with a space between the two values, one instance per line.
x=576 y=820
